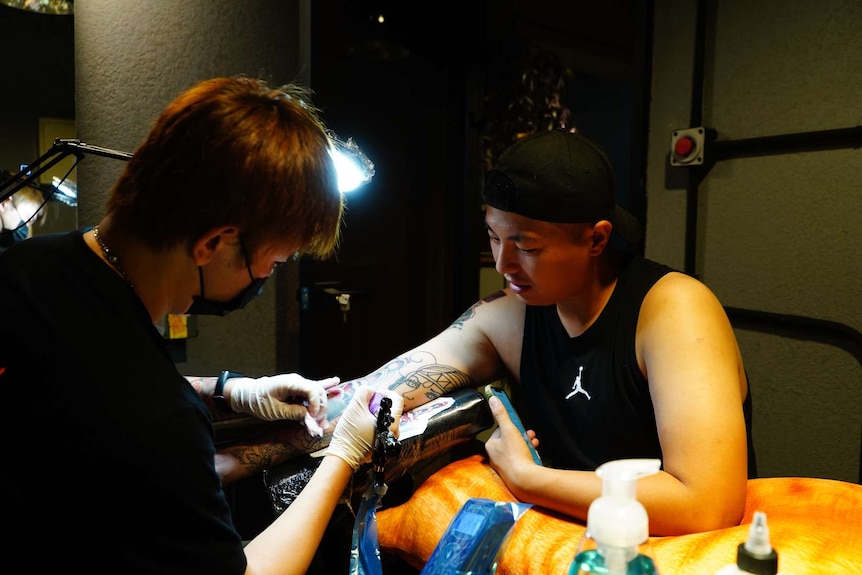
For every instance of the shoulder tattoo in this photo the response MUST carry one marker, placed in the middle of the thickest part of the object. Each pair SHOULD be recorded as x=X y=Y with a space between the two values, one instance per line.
x=472 y=311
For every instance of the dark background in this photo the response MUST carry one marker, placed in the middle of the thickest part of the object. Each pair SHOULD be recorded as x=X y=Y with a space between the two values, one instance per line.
x=427 y=94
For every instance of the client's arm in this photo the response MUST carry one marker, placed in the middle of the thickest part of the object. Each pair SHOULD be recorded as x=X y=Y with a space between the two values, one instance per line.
x=459 y=356
x=416 y=376
x=282 y=440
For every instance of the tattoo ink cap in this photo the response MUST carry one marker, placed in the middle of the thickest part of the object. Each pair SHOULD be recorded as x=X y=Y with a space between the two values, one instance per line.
x=616 y=541
x=559 y=177
x=755 y=555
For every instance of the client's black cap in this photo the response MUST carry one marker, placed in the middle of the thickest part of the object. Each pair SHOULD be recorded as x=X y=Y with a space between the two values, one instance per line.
x=561 y=177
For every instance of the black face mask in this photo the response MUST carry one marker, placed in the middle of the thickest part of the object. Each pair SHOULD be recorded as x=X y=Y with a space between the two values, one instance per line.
x=203 y=306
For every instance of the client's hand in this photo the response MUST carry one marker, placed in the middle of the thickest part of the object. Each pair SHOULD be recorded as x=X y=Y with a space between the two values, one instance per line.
x=285 y=396
x=354 y=435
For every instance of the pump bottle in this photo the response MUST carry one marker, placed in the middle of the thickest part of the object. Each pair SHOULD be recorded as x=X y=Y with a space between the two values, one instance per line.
x=755 y=555
x=616 y=541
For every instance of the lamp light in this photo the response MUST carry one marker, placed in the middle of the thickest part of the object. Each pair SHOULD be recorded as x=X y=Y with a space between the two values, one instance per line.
x=353 y=167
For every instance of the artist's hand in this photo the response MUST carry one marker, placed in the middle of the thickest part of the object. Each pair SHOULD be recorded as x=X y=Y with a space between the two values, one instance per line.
x=285 y=396
x=354 y=435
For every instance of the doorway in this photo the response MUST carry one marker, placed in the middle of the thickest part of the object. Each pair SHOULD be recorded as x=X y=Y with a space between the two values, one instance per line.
x=407 y=261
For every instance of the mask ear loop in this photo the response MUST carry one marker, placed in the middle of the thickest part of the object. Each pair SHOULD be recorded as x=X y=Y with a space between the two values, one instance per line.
x=247 y=260
x=201 y=279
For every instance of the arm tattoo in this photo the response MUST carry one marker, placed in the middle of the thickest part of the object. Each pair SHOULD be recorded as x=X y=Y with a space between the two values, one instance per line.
x=276 y=445
x=472 y=310
x=430 y=379
x=435 y=380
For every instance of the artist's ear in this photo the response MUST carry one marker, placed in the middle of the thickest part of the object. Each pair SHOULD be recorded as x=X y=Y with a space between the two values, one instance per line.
x=600 y=235
x=210 y=242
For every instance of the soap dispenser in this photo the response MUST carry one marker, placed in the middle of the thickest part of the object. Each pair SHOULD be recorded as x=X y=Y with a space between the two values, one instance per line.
x=616 y=541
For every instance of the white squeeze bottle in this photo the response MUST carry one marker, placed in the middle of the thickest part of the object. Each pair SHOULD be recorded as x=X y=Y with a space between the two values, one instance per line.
x=616 y=541
x=755 y=555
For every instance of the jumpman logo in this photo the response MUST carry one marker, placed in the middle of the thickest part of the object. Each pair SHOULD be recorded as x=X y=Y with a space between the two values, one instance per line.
x=576 y=388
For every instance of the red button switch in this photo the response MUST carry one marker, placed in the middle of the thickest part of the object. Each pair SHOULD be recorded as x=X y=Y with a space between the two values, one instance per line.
x=683 y=146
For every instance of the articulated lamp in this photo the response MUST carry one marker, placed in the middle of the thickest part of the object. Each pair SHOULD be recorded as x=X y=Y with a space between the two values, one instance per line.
x=353 y=167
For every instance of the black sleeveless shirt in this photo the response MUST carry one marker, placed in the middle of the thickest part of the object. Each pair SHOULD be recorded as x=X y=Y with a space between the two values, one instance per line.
x=585 y=396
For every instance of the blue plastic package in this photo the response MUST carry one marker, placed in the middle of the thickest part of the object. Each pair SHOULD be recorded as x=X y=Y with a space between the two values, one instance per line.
x=475 y=539
x=365 y=549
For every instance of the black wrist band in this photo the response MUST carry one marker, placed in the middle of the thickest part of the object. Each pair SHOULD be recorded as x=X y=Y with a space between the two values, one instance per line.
x=219 y=399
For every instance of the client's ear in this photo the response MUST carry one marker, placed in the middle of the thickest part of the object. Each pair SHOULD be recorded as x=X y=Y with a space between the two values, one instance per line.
x=600 y=235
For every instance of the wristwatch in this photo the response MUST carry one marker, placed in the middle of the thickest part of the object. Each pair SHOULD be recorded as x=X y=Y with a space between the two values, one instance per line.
x=219 y=399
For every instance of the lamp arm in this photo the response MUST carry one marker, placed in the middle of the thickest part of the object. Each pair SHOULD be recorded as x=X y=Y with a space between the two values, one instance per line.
x=61 y=149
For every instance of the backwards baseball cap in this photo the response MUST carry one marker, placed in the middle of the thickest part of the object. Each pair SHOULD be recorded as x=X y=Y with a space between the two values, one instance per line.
x=561 y=177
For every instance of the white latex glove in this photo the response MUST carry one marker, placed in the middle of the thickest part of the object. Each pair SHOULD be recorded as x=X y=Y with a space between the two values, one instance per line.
x=354 y=435
x=285 y=396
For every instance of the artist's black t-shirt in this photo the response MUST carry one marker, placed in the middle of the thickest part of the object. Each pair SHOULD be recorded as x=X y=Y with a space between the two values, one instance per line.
x=109 y=455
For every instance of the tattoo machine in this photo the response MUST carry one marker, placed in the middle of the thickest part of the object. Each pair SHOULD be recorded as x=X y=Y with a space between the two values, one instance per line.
x=364 y=547
x=385 y=442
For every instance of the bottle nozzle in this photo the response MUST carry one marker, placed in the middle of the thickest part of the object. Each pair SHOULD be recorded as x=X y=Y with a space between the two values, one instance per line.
x=758 y=536
x=756 y=555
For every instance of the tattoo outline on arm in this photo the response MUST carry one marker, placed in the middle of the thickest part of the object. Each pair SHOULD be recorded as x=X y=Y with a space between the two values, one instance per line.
x=430 y=379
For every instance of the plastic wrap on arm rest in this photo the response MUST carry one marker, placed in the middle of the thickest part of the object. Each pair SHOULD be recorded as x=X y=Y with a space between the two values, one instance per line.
x=463 y=414
x=811 y=522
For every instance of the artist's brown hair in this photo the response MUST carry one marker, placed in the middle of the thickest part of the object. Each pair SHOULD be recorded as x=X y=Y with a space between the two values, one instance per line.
x=233 y=151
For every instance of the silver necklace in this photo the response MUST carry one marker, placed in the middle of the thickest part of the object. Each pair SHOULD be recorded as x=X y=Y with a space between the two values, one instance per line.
x=111 y=257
